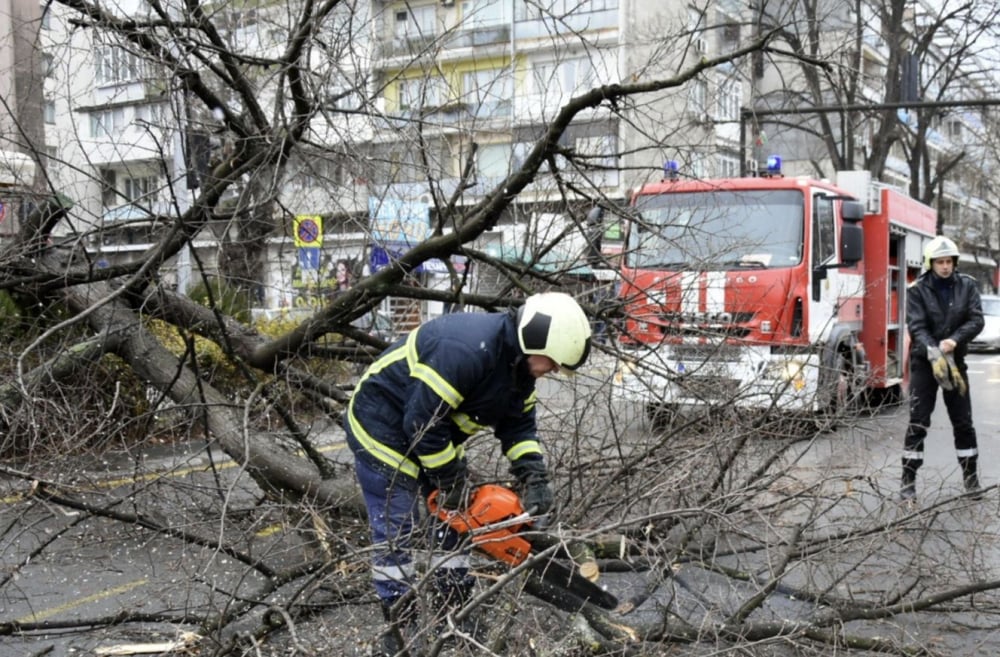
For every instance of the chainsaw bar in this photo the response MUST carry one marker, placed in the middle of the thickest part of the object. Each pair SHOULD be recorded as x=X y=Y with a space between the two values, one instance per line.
x=564 y=577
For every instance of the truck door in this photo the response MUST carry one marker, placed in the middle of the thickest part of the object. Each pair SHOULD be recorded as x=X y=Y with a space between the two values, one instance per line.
x=824 y=296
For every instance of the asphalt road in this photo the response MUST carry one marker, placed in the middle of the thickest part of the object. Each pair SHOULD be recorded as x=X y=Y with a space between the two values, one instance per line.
x=103 y=570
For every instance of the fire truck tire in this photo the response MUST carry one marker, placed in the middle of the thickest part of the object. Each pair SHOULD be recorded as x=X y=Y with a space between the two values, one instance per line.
x=850 y=388
x=660 y=416
x=845 y=397
x=879 y=398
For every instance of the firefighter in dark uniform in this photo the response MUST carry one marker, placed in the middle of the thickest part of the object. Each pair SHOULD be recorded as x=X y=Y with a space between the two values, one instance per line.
x=420 y=401
x=943 y=314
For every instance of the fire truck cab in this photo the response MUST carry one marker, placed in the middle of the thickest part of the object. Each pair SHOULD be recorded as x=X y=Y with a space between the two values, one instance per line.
x=767 y=292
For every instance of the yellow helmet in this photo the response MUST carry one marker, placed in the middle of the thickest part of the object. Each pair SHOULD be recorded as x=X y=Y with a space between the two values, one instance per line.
x=553 y=324
x=939 y=247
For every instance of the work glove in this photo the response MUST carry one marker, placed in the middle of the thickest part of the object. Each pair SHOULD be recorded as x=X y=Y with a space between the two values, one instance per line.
x=453 y=486
x=956 y=376
x=940 y=368
x=536 y=495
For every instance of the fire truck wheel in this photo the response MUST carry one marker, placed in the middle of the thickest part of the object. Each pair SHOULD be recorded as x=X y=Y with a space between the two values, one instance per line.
x=879 y=398
x=848 y=389
x=660 y=416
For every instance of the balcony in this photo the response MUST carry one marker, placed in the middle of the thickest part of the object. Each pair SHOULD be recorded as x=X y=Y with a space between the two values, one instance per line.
x=463 y=39
x=408 y=46
x=454 y=115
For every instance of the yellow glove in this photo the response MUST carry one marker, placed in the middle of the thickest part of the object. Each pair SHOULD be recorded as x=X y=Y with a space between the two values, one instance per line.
x=956 y=376
x=939 y=365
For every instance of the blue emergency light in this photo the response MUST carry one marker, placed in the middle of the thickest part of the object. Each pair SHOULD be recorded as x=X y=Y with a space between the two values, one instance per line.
x=774 y=165
x=671 y=169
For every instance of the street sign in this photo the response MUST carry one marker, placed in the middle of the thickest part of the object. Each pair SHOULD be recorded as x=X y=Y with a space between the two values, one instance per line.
x=308 y=258
x=308 y=230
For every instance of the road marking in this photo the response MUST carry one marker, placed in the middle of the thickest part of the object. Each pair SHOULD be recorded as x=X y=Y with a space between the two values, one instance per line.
x=41 y=615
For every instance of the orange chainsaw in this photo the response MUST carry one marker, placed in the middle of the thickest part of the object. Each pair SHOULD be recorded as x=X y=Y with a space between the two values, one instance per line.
x=494 y=521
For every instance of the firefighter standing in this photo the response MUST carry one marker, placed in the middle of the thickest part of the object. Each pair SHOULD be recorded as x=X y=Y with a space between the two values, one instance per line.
x=414 y=408
x=943 y=314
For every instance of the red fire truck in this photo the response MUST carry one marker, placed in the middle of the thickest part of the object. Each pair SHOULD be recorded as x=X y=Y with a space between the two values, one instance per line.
x=768 y=292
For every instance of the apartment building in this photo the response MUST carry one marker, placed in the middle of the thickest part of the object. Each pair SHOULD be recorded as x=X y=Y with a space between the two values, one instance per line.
x=428 y=100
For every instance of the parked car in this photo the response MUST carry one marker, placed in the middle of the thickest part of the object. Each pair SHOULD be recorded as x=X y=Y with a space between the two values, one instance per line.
x=989 y=338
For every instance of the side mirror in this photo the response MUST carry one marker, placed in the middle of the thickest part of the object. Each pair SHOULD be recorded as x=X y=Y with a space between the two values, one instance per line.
x=852 y=243
x=852 y=211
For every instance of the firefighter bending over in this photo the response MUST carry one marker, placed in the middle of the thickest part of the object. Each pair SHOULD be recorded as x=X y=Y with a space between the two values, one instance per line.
x=415 y=407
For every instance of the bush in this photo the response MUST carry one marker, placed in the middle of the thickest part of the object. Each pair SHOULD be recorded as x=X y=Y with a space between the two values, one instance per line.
x=229 y=299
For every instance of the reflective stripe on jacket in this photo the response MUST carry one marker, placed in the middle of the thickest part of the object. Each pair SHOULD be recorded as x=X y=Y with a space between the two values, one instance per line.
x=451 y=377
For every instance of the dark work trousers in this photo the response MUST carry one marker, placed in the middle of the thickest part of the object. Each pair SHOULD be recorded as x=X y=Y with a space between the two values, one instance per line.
x=394 y=502
x=923 y=396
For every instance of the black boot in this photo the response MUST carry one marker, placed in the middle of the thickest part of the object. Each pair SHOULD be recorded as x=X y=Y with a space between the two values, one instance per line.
x=400 y=636
x=908 y=487
x=970 y=476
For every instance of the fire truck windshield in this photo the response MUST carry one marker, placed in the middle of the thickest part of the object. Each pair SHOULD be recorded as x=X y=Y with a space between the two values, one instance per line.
x=711 y=230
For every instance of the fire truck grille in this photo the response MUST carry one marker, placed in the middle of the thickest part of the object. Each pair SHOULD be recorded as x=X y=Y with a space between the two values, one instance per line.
x=710 y=388
x=712 y=333
x=702 y=353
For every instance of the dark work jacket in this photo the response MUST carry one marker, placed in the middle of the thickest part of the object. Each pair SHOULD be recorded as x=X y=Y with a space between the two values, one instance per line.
x=425 y=395
x=929 y=320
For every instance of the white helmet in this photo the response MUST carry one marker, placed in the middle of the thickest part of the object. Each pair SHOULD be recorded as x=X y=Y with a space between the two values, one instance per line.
x=939 y=247
x=553 y=324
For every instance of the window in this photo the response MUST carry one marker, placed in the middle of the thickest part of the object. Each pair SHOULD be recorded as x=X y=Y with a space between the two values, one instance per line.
x=107 y=123
x=415 y=22
x=147 y=116
x=136 y=189
x=113 y=65
x=345 y=93
x=696 y=23
x=485 y=13
x=698 y=99
x=555 y=80
x=717 y=227
x=599 y=154
x=729 y=166
x=109 y=195
x=824 y=246
x=488 y=92
x=541 y=76
x=560 y=8
x=421 y=93
x=728 y=102
x=697 y=165
x=493 y=160
x=49 y=111
x=578 y=73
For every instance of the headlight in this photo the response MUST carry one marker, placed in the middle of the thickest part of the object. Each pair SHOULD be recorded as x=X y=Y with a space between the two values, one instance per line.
x=625 y=368
x=791 y=370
